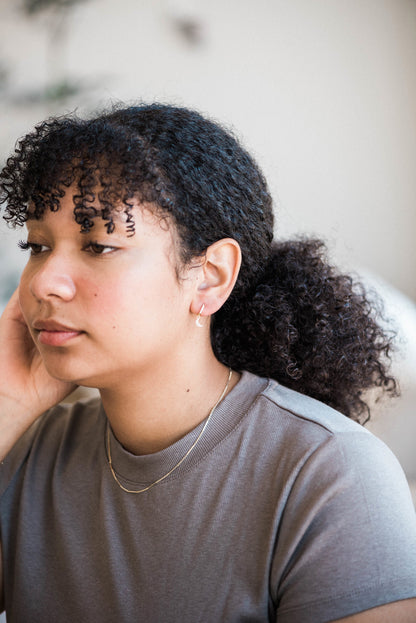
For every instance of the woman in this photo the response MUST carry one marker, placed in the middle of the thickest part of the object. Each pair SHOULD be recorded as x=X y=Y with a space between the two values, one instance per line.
x=209 y=482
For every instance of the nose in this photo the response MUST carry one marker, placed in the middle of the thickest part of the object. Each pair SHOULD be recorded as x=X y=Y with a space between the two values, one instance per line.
x=53 y=280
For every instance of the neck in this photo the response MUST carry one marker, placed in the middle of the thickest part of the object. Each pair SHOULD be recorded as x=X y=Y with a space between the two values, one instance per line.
x=161 y=406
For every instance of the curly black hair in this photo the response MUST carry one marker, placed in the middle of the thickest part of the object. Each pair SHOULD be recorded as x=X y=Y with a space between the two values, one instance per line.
x=291 y=316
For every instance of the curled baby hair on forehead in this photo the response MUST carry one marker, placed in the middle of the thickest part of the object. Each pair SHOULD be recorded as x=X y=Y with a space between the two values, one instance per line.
x=108 y=167
x=291 y=316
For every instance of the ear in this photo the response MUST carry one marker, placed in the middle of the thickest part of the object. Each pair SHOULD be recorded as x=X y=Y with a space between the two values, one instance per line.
x=218 y=274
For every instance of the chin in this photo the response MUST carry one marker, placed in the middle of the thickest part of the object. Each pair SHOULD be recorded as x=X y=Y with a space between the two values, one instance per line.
x=68 y=375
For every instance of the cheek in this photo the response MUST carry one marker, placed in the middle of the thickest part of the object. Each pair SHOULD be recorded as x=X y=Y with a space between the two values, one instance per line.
x=96 y=296
x=106 y=302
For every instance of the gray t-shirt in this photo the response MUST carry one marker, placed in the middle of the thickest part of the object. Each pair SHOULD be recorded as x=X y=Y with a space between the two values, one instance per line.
x=284 y=511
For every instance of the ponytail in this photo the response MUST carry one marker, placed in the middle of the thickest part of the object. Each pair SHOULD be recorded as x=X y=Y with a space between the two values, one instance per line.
x=309 y=327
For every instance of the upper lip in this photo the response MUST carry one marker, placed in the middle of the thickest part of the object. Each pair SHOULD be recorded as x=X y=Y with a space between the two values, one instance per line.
x=52 y=325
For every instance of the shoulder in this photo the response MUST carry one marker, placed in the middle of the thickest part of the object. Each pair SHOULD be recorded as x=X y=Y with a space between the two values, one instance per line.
x=56 y=431
x=73 y=418
x=306 y=410
x=313 y=443
x=65 y=420
x=347 y=524
x=288 y=414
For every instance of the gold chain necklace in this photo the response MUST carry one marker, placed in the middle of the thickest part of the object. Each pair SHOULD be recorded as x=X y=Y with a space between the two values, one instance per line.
x=110 y=463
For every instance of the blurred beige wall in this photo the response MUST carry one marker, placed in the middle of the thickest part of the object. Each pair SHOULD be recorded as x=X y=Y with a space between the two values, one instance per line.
x=322 y=91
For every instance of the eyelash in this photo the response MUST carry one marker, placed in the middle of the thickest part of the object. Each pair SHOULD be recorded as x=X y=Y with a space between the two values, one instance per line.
x=36 y=249
x=97 y=246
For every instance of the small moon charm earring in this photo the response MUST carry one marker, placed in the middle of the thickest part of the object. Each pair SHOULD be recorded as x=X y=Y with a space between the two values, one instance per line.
x=198 y=318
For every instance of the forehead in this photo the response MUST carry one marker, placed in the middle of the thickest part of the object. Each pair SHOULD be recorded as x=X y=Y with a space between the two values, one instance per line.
x=134 y=222
x=85 y=209
x=93 y=215
x=100 y=183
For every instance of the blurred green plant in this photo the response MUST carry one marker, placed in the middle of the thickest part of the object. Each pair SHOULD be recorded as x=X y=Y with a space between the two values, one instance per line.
x=59 y=87
x=54 y=92
x=61 y=90
x=4 y=74
x=34 y=6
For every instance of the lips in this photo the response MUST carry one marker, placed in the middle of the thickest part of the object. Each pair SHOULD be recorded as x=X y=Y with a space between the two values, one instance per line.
x=53 y=333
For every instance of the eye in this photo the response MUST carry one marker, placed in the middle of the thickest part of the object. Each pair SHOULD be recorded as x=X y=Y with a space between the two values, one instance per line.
x=34 y=248
x=98 y=249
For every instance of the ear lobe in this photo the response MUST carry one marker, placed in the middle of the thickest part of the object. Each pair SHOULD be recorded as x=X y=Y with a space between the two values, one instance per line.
x=219 y=273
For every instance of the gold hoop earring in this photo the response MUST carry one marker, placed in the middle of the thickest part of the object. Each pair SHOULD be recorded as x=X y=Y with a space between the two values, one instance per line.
x=198 y=318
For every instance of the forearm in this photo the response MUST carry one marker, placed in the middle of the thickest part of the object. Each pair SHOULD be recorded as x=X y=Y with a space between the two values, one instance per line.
x=26 y=387
x=15 y=419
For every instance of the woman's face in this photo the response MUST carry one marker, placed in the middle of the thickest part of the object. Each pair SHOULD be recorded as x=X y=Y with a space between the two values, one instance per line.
x=102 y=308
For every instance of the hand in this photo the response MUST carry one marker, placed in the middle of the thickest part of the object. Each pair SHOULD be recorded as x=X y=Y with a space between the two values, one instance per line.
x=26 y=388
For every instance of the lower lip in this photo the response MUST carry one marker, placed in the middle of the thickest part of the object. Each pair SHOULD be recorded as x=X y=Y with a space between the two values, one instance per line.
x=57 y=338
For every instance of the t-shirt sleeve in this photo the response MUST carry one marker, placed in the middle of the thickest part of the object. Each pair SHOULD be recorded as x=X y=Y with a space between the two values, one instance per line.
x=347 y=539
